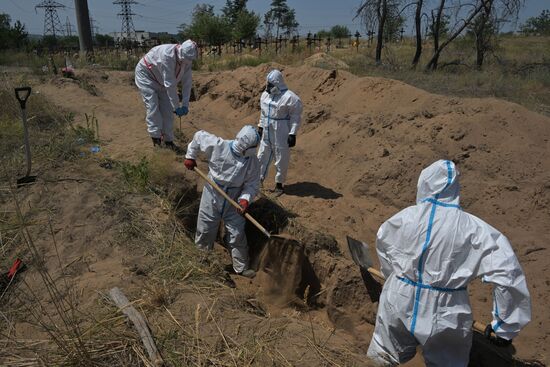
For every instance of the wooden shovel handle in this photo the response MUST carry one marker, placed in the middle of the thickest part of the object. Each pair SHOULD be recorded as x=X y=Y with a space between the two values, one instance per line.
x=376 y=273
x=232 y=202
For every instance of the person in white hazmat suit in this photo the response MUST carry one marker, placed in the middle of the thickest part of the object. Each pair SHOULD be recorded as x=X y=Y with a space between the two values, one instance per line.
x=428 y=254
x=233 y=165
x=157 y=76
x=281 y=114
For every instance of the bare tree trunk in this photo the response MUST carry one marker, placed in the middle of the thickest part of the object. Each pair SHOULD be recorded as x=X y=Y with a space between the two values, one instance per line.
x=432 y=64
x=382 y=14
x=480 y=43
x=481 y=34
x=418 y=25
x=436 y=31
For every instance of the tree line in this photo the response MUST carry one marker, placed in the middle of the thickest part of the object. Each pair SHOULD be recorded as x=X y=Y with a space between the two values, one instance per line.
x=237 y=23
x=445 y=20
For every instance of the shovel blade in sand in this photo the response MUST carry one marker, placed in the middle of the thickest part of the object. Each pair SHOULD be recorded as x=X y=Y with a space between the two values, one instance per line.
x=359 y=252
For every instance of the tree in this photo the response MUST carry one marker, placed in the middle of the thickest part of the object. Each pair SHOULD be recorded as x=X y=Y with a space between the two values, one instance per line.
x=468 y=12
x=340 y=31
x=280 y=17
x=418 y=29
x=484 y=30
x=11 y=37
x=233 y=9
x=207 y=26
x=246 y=25
x=440 y=27
x=50 y=42
x=375 y=13
x=323 y=33
x=68 y=42
x=104 y=40
x=394 y=23
x=537 y=25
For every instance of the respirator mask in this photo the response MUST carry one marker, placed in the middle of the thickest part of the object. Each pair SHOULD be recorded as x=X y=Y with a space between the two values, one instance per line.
x=272 y=89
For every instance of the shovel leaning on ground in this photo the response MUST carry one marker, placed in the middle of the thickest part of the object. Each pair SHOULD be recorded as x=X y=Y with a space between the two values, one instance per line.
x=360 y=255
x=22 y=94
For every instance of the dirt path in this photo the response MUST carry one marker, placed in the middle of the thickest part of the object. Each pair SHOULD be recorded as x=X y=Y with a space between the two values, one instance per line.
x=361 y=147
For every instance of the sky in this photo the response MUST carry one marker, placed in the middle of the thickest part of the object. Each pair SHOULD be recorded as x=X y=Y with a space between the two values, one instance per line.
x=166 y=15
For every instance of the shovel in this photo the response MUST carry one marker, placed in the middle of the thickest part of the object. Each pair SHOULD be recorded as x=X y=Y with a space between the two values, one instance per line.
x=22 y=94
x=361 y=257
x=237 y=206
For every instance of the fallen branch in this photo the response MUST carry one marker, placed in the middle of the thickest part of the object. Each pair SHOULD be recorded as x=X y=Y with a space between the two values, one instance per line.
x=139 y=323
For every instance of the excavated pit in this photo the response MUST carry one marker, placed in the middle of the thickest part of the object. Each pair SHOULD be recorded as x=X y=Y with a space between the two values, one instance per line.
x=305 y=270
x=311 y=267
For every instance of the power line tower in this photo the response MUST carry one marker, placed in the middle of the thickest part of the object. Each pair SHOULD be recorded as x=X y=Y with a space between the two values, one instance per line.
x=128 y=32
x=52 y=24
x=68 y=28
x=93 y=27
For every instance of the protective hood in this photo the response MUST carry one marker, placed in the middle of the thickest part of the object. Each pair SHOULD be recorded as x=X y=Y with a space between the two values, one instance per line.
x=439 y=181
x=246 y=138
x=275 y=77
x=188 y=50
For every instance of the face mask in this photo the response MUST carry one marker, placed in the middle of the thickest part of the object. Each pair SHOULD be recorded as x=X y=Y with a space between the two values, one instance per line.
x=272 y=89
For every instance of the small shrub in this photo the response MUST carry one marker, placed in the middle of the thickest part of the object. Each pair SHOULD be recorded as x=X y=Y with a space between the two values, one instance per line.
x=136 y=175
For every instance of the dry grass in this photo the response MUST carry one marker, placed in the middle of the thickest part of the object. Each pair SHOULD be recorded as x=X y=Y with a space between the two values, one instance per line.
x=196 y=318
x=517 y=70
x=47 y=302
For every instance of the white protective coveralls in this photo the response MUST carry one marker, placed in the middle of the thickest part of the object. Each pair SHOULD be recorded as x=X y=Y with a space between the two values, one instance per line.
x=281 y=114
x=233 y=165
x=157 y=76
x=428 y=254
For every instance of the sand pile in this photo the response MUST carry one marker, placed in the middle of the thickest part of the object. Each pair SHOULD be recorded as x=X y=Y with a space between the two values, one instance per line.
x=359 y=152
x=325 y=61
x=364 y=141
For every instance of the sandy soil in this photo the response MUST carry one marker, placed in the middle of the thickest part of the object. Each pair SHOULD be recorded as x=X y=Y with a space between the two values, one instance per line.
x=362 y=144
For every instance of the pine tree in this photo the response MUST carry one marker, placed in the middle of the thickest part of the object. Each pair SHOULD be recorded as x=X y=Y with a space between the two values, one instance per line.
x=280 y=17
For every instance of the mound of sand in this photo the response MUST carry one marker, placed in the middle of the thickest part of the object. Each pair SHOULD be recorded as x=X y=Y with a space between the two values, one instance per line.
x=361 y=147
x=325 y=61
x=364 y=141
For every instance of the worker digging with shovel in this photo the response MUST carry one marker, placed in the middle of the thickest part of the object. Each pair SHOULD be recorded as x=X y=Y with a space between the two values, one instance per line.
x=233 y=167
x=428 y=254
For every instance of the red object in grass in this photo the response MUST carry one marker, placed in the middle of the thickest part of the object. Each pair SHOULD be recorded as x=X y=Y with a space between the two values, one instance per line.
x=14 y=268
x=67 y=72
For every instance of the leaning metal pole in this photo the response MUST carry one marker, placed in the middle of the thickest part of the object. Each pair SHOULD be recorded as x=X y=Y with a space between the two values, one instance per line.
x=84 y=31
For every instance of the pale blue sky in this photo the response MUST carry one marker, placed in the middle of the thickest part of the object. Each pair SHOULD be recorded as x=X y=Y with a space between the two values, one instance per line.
x=166 y=15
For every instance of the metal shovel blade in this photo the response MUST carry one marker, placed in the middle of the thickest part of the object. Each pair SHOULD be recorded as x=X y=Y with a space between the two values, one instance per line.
x=22 y=94
x=359 y=252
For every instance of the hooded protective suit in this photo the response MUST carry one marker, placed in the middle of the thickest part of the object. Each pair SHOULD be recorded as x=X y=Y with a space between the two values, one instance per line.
x=234 y=167
x=429 y=253
x=281 y=114
x=157 y=76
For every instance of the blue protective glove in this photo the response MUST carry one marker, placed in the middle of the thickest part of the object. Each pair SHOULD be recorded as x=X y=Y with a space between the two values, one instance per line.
x=182 y=111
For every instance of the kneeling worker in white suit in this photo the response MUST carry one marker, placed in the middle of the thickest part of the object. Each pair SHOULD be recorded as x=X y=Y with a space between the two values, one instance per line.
x=281 y=114
x=233 y=165
x=429 y=253
x=157 y=76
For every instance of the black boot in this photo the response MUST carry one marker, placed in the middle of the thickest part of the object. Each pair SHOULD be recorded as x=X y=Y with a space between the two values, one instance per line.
x=174 y=147
x=279 y=190
x=156 y=142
